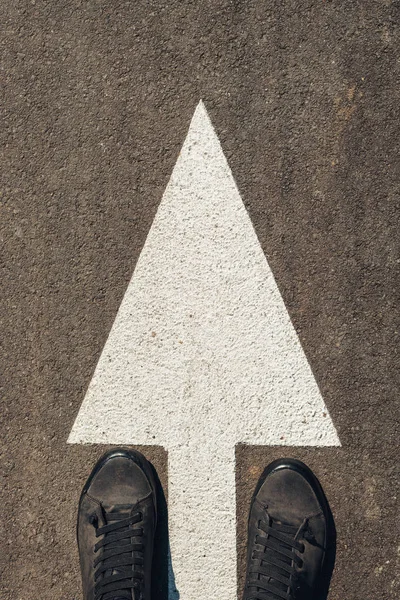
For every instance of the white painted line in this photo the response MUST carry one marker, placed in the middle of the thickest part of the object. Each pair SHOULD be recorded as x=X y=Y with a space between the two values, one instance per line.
x=203 y=355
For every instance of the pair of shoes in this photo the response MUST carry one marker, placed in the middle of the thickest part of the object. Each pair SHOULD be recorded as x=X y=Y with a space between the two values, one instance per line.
x=288 y=531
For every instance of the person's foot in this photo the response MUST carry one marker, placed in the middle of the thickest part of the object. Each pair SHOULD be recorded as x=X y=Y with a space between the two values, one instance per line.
x=289 y=526
x=116 y=523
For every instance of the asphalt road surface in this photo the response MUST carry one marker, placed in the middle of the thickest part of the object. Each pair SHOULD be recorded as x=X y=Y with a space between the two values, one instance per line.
x=97 y=98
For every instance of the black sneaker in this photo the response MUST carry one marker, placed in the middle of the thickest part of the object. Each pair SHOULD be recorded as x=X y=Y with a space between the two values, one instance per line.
x=116 y=524
x=289 y=529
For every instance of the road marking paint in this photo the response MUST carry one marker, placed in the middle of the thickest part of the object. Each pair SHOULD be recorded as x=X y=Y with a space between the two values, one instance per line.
x=203 y=355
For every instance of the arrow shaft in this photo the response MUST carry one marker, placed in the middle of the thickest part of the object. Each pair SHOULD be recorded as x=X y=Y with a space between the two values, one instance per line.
x=202 y=521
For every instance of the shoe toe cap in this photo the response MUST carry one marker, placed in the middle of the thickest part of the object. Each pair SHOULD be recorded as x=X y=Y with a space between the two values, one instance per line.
x=289 y=496
x=120 y=480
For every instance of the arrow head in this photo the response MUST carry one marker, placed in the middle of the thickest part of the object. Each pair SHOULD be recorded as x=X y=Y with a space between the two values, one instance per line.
x=202 y=346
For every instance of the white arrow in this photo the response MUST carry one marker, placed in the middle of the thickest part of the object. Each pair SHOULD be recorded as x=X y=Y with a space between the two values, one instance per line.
x=203 y=355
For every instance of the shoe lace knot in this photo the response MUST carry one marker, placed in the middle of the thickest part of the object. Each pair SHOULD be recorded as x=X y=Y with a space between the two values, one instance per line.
x=119 y=556
x=274 y=574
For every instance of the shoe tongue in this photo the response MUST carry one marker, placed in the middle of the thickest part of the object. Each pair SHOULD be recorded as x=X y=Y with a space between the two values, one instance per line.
x=274 y=569
x=113 y=513
x=136 y=595
x=287 y=515
x=112 y=510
